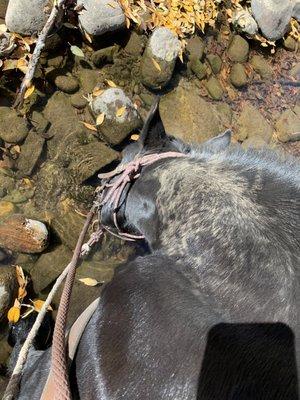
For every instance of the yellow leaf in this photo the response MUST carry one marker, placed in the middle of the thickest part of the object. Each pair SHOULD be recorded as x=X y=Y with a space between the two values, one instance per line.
x=22 y=65
x=111 y=83
x=156 y=65
x=38 y=304
x=97 y=92
x=88 y=37
x=13 y=314
x=89 y=281
x=22 y=292
x=135 y=137
x=100 y=119
x=22 y=281
x=127 y=23
x=9 y=64
x=89 y=126
x=120 y=111
x=29 y=91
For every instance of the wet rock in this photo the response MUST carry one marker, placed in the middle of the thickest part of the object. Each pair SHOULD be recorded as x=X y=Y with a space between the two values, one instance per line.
x=238 y=76
x=117 y=124
x=148 y=98
x=252 y=123
x=6 y=208
x=254 y=142
x=198 y=68
x=23 y=235
x=27 y=261
x=290 y=43
x=215 y=62
x=135 y=44
x=104 y=56
x=195 y=48
x=272 y=16
x=18 y=197
x=261 y=66
x=159 y=58
x=198 y=117
x=13 y=128
x=288 y=126
x=244 y=21
x=7 y=182
x=88 y=159
x=27 y=16
x=78 y=101
x=39 y=122
x=88 y=79
x=98 y=17
x=214 y=88
x=28 y=158
x=238 y=49
x=55 y=62
x=8 y=289
x=49 y=266
x=67 y=84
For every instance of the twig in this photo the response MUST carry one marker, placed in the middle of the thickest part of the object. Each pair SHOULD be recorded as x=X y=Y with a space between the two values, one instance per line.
x=13 y=384
x=40 y=44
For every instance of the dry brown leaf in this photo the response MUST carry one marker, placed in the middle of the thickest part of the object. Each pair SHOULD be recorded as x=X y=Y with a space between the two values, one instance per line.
x=100 y=119
x=16 y=148
x=97 y=92
x=156 y=65
x=89 y=281
x=89 y=126
x=9 y=64
x=135 y=137
x=88 y=37
x=22 y=292
x=120 y=111
x=111 y=83
x=22 y=65
x=22 y=281
x=38 y=304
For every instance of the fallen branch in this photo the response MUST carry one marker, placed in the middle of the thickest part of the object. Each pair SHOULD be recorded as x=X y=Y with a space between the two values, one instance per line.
x=40 y=44
x=12 y=388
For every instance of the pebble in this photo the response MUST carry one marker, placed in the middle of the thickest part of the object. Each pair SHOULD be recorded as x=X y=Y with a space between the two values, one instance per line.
x=215 y=62
x=13 y=128
x=238 y=76
x=26 y=17
x=195 y=48
x=67 y=84
x=198 y=68
x=135 y=44
x=23 y=235
x=273 y=17
x=158 y=61
x=104 y=56
x=238 y=49
x=115 y=128
x=261 y=66
x=78 y=101
x=99 y=17
x=214 y=88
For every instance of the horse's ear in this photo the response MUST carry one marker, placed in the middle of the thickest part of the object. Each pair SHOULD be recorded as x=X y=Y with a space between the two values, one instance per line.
x=219 y=143
x=153 y=134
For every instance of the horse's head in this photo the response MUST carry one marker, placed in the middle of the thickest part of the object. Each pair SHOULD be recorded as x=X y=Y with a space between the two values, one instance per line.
x=136 y=211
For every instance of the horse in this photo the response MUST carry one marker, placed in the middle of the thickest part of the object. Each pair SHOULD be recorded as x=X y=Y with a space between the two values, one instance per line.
x=211 y=311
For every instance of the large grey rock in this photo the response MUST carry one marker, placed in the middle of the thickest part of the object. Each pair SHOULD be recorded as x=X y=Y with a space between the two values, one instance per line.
x=27 y=16
x=8 y=286
x=273 y=16
x=196 y=119
x=296 y=10
x=159 y=58
x=120 y=116
x=99 y=17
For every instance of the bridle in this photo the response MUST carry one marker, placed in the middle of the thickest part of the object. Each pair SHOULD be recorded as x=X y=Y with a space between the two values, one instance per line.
x=108 y=194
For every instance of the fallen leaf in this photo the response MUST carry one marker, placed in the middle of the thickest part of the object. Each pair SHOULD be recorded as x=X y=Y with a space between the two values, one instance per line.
x=77 y=51
x=9 y=64
x=97 y=92
x=100 y=119
x=111 y=83
x=13 y=314
x=22 y=65
x=29 y=91
x=89 y=281
x=22 y=281
x=120 y=111
x=22 y=292
x=88 y=37
x=38 y=304
x=156 y=65
x=89 y=126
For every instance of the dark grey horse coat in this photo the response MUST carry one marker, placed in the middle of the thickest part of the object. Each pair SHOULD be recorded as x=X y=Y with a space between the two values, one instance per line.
x=213 y=311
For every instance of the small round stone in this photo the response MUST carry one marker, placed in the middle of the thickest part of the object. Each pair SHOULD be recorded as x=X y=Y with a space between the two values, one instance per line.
x=67 y=84
x=238 y=76
x=78 y=101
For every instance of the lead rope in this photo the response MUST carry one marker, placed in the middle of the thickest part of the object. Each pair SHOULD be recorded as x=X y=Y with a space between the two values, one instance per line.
x=59 y=364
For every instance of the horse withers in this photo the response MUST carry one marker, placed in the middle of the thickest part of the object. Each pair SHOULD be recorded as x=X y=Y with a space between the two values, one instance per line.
x=212 y=311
